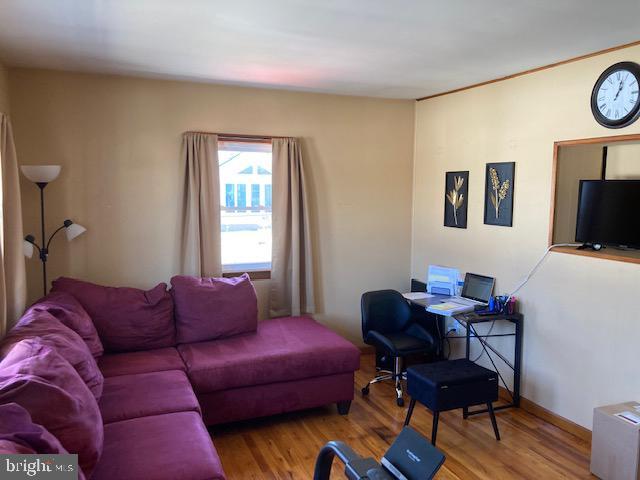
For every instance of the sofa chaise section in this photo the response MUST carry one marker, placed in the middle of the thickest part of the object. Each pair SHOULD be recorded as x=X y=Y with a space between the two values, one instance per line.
x=288 y=364
x=256 y=401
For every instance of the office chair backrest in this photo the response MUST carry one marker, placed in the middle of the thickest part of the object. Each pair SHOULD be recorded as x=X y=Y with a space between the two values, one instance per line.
x=385 y=311
x=418 y=286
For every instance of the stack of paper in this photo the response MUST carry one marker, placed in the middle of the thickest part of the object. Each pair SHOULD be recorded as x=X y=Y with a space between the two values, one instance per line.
x=416 y=295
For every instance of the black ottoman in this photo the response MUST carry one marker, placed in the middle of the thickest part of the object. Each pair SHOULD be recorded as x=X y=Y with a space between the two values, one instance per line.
x=449 y=385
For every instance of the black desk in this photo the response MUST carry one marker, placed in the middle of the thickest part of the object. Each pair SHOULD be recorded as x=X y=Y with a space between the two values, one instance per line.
x=468 y=321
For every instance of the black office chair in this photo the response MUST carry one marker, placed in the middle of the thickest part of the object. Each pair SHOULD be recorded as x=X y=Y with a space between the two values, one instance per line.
x=387 y=324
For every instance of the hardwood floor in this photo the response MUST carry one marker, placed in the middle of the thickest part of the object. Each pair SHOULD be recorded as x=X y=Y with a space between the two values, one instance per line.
x=285 y=446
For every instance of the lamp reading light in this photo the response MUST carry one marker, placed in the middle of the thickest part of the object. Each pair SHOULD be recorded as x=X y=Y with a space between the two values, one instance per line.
x=41 y=175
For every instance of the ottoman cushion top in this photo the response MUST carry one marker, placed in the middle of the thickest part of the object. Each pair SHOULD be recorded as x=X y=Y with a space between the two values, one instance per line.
x=447 y=373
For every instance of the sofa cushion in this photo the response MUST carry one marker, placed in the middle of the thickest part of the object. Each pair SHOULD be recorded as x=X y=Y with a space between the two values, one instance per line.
x=127 y=319
x=19 y=435
x=162 y=447
x=8 y=447
x=282 y=349
x=145 y=394
x=16 y=427
x=210 y=308
x=147 y=361
x=68 y=310
x=38 y=379
x=51 y=332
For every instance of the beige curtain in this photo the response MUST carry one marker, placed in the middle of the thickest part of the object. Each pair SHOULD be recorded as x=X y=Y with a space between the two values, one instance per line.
x=292 y=262
x=13 y=279
x=201 y=206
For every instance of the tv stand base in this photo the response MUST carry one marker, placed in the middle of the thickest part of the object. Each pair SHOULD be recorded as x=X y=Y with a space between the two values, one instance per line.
x=591 y=246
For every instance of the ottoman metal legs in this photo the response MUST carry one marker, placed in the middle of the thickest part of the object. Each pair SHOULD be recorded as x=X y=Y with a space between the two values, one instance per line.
x=493 y=420
x=436 y=418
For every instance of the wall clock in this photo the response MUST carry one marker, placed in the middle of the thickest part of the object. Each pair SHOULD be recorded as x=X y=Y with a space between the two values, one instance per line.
x=615 y=102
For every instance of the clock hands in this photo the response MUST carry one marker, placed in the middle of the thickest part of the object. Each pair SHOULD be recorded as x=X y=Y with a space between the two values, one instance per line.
x=619 y=90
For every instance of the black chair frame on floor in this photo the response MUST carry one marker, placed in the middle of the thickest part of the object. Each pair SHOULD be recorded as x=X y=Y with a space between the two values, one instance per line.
x=388 y=324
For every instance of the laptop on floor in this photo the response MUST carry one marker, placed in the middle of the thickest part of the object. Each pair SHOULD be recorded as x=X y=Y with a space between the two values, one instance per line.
x=476 y=291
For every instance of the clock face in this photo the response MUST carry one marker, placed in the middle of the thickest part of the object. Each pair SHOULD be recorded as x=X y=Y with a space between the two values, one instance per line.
x=615 y=100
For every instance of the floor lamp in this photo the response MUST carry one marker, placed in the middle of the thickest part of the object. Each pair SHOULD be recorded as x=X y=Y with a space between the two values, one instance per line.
x=41 y=175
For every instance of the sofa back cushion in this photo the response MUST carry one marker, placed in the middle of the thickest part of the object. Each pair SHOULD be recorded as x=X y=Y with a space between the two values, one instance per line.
x=127 y=319
x=70 y=313
x=210 y=308
x=67 y=343
x=35 y=377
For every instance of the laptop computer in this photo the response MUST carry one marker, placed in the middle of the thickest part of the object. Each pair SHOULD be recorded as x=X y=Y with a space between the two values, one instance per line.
x=477 y=290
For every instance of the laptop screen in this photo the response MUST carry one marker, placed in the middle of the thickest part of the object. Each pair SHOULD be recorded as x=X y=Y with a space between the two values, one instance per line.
x=478 y=287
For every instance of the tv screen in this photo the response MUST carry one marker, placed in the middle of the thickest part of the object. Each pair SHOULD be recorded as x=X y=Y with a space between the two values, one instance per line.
x=608 y=212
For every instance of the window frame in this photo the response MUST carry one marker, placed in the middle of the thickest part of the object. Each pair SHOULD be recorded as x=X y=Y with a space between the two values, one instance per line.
x=257 y=274
x=253 y=274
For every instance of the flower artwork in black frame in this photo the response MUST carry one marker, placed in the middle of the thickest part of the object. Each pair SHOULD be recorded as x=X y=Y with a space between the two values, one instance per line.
x=498 y=198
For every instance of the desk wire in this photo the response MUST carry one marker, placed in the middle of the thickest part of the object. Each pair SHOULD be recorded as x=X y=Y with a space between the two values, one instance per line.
x=523 y=282
x=535 y=267
x=483 y=350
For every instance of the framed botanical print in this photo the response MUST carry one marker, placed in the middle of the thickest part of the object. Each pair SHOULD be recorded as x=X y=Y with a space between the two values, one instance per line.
x=456 y=199
x=498 y=197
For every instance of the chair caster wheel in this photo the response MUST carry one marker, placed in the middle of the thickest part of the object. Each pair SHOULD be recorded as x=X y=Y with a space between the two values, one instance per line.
x=365 y=391
x=400 y=402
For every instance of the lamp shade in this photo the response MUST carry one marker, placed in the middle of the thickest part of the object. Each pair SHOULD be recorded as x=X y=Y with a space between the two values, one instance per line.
x=73 y=230
x=41 y=173
x=27 y=249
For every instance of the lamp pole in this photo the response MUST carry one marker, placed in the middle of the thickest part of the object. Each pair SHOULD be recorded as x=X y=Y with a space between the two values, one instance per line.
x=43 y=250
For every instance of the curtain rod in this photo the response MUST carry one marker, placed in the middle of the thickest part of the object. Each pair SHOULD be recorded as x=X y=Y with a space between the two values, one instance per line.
x=237 y=136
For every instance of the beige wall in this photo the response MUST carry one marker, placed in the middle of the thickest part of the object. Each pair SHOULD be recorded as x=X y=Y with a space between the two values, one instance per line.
x=118 y=140
x=4 y=89
x=578 y=350
x=623 y=161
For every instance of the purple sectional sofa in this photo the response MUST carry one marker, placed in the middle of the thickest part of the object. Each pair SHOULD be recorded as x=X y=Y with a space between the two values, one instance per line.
x=129 y=379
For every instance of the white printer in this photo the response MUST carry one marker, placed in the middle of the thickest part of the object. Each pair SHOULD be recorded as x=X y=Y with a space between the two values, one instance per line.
x=442 y=280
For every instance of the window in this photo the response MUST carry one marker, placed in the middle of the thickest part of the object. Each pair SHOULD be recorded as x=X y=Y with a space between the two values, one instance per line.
x=245 y=181
x=255 y=195
x=229 y=196
x=242 y=195
x=267 y=196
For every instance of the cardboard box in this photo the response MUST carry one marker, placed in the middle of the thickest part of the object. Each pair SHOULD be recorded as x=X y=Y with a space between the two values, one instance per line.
x=615 y=445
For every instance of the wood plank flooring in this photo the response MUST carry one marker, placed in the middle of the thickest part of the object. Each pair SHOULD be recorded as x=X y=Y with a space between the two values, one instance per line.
x=285 y=446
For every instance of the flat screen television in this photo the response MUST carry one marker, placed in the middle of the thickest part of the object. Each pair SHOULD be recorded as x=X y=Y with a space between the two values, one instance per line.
x=608 y=213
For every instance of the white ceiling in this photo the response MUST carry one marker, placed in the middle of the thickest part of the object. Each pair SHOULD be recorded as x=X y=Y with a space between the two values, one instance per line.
x=383 y=48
